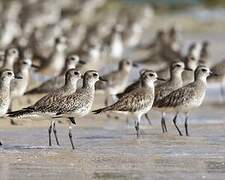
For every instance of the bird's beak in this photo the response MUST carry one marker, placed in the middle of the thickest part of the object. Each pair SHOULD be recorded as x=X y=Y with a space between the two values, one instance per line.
x=135 y=65
x=18 y=77
x=102 y=79
x=213 y=74
x=160 y=79
x=82 y=62
x=188 y=69
x=35 y=66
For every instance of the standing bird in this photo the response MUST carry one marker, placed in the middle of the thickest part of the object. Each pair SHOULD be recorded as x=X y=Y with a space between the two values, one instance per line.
x=57 y=81
x=10 y=57
x=163 y=89
x=6 y=76
x=219 y=70
x=116 y=80
x=19 y=86
x=186 y=98
x=137 y=102
x=55 y=63
x=79 y=103
x=48 y=105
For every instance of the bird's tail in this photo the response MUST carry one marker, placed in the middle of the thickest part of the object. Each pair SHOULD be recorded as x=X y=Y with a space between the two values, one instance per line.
x=20 y=113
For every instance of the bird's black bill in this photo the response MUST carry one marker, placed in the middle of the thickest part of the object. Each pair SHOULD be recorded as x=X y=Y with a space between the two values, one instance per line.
x=188 y=69
x=82 y=62
x=213 y=74
x=18 y=77
x=135 y=65
x=102 y=79
x=35 y=66
x=160 y=79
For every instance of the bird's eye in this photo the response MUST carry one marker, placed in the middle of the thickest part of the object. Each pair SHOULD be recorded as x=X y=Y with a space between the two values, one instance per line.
x=9 y=73
x=95 y=74
x=76 y=73
x=204 y=70
x=178 y=65
x=24 y=62
x=192 y=58
x=72 y=58
x=151 y=75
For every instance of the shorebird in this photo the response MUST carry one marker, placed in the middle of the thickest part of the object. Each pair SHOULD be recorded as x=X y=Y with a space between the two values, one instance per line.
x=191 y=64
x=186 y=98
x=163 y=89
x=49 y=105
x=55 y=63
x=79 y=103
x=18 y=87
x=116 y=80
x=137 y=102
x=204 y=53
x=6 y=76
x=11 y=56
x=219 y=70
x=57 y=81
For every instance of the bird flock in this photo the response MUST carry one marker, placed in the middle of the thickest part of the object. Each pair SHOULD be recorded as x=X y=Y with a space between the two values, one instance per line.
x=71 y=49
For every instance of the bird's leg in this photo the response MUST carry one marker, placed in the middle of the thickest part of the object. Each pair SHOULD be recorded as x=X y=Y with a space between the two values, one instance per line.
x=49 y=135
x=71 y=137
x=0 y=143
x=175 y=123
x=163 y=123
x=55 y=134
x=222 y=92
x=186 y=124
x=148 y=119
x=137 y=126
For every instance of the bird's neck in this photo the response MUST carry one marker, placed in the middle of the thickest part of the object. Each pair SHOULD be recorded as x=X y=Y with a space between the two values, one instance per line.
x=176 y=78
x=8 y=63
x=70 y=85
x=5 y=85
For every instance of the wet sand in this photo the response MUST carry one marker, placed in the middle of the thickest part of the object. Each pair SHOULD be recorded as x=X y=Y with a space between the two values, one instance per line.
x=107 y=148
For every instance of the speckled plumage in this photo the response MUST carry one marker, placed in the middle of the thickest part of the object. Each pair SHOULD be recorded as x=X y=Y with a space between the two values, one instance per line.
x=6 y=76
x=50 y=103
x=138 y=101
x=80 y=102
x=175 y=82
x=57 y=81
x=186 y=97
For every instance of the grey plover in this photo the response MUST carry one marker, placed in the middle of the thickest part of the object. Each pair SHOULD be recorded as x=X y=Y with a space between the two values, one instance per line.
x=191 y=64
x=79 y=103
x=186 y=98
x=49 y=105
x=10 y=57
x=6 y=76
x=18 y=87
x=54 y=64
x=219 y=70
x=137 y=102
x=57 y=81
x=116 y=80
x=163 y=89
x=136 y=84
x=204 y=53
